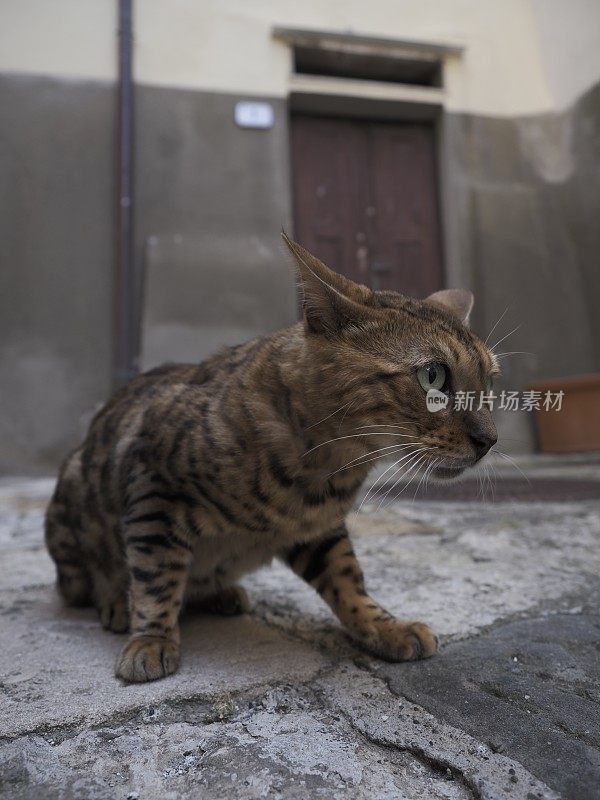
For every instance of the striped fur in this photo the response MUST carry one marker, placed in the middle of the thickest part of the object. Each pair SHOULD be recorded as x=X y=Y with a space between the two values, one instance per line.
x=193 y=475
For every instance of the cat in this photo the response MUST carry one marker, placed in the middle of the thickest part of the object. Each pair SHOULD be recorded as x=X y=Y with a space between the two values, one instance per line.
x=192 y=475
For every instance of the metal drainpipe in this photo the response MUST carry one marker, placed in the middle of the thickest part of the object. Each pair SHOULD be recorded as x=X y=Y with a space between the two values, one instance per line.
x=125 y=343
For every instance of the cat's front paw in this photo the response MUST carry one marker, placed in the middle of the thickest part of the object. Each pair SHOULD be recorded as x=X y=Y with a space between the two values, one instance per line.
x=147 y=658
x=393 y=640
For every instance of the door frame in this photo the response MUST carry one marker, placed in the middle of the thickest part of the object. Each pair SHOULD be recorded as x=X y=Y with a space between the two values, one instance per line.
x=438 y=231
x=371 y=99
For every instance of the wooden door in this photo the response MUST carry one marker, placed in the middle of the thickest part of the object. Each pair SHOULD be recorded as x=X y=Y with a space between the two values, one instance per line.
x=365 y=200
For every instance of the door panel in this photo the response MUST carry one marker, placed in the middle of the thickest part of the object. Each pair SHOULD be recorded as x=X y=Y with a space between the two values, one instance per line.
x=365 y=200
x=405 y=241
x=330 y=178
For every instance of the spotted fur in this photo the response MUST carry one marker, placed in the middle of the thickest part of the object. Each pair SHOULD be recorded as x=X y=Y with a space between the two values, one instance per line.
x=193 y=475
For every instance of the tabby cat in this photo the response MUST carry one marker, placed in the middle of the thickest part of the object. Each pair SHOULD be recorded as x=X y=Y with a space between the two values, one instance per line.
x=193 y=475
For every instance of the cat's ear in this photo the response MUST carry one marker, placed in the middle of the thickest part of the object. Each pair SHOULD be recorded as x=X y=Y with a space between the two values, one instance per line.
x=458 y=301
x=330 y=301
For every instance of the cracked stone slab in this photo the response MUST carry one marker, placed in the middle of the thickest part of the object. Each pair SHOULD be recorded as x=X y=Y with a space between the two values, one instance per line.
x=56 y=664
x=394 y=722
x=283 y=744
x=529 y=688
x=345 y=736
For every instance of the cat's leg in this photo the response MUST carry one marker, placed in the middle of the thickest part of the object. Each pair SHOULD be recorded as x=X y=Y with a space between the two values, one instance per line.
x=114 y=609
x=213 y=594
x=62 y=522
x=106 y=563
x=159 y=554
x=228 y=601
x=330 y=566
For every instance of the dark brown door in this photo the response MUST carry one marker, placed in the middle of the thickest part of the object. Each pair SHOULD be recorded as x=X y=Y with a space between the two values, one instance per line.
x=365 y=200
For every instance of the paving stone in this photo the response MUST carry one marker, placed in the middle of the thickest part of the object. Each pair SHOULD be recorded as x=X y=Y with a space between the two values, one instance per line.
x=282 y=745
x=57 y=663
x=530 y=689
x=396 y=722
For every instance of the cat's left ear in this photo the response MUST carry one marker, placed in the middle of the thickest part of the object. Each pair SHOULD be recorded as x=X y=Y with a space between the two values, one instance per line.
x=330 y=301
x=458 y=301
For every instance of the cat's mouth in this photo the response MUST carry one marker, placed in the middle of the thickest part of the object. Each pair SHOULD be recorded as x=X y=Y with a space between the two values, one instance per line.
x=448 y=473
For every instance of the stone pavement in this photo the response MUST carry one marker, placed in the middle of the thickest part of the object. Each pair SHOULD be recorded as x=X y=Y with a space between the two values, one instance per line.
x=279 y=703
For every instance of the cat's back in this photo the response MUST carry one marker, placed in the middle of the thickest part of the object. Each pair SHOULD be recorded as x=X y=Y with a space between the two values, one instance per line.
x=155 y=385
x=163 y=390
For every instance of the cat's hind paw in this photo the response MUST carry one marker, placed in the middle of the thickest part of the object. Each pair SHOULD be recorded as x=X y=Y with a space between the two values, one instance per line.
x=147 y=658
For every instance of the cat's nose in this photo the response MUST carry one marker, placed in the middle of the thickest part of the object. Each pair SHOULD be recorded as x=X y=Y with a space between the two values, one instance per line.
x=482 y=440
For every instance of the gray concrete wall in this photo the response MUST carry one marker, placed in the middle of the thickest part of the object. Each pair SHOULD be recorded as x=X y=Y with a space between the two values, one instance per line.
x=521 y=204
x=211 y=201
x=56 y=179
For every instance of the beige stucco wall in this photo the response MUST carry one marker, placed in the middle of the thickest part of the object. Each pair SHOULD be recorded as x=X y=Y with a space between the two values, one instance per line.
x=62 y=38
x=569 y=37
x=520 y=57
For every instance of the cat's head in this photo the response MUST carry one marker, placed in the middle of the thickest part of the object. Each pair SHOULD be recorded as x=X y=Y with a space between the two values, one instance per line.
x=393 y=366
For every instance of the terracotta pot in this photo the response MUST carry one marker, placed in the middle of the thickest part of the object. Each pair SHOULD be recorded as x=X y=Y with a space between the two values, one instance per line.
x=576 y=427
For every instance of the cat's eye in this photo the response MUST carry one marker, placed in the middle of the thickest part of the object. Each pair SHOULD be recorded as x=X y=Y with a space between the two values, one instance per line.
x=489 y=385
x=432 y=376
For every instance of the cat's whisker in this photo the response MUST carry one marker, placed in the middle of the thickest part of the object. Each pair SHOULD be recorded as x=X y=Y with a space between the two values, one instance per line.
x=384 y=425
x=430 y=473
x=398 y=448
x=440 y=461
x=401 y=470
x=414 y=468
x=406 y=432
x=488 y=477
x=380 y=477
x=483 y=480
x=510 y=461
x=424 y=477
x=375 y=482
x=514 y=439
x=494 y=474
x=514 y=353
x=333 y=413
x=498 y=321
x=406 y=468
x=435 y=466
x=510 y=333
x=421 y=479
x=371 y=493
x=486 y=480
x=392 y=447
x=351 y=436
x=415 y=471
x=344 y=415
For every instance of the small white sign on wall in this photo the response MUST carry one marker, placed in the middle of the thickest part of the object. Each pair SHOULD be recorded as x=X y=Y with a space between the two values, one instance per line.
x=254 y=114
